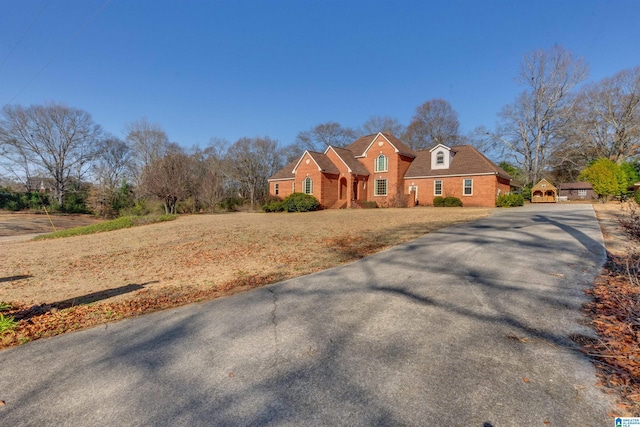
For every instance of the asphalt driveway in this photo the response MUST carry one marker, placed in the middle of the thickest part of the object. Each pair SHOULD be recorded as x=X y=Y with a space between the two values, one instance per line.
x=470 y=325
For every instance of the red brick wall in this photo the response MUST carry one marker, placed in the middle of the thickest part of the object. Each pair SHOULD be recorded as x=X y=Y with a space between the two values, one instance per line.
x=485 y=189
x=310 y=170
x=394 y=174
x=284 y=188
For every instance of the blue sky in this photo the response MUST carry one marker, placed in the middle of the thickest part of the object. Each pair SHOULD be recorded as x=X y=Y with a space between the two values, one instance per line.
x=230 y=69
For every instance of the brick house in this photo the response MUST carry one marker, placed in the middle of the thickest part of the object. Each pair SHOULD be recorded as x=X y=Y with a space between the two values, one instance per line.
x=383 y=169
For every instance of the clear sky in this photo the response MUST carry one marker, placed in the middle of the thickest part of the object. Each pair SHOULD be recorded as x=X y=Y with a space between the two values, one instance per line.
x=231 y=69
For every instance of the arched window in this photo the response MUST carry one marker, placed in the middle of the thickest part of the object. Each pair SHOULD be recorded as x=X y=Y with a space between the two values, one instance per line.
x=382 y=163
x=307 y=186
x=440 y=158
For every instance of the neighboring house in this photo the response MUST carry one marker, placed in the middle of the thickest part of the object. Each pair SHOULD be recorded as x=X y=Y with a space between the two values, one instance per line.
x=576 y=191
x=544 y=192
x=383 y=169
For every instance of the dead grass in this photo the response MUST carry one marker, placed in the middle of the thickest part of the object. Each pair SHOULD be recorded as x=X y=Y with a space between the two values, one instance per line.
x=132 y=271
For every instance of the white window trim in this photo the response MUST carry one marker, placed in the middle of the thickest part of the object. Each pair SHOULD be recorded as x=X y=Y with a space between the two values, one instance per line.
x=376 y=163
x=435 y=191
x=304 y=186
x=386 y=187
x=464 y=187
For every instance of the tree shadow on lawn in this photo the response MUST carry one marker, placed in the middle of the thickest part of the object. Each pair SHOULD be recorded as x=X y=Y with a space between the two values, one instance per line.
x=37 y=310
x=13 y=278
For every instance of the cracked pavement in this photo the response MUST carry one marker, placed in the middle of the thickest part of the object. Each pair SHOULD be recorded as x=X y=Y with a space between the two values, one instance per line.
x=469 y=325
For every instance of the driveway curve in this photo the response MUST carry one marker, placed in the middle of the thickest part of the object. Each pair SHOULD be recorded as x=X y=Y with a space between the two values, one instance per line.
x=470 y=325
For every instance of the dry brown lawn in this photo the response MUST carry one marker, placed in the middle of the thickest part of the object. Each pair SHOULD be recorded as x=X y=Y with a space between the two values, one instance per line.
x=206 y=251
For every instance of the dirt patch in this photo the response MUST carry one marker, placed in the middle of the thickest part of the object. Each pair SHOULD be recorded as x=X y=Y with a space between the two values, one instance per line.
x=29 y=224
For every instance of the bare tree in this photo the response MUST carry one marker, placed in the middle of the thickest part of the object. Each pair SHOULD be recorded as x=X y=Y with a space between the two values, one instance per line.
x=384 y=124
x=250 y=162
x=532 y=127
x=55 y=138
x=113 y=163
x=608 y=120
x=111 y=170
x=209 y=176
x=321 y=136
x=434 y=122
x=148 y=142
x=170 y=178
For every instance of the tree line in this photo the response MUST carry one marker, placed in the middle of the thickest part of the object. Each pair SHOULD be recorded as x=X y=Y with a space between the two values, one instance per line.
x=557 y=127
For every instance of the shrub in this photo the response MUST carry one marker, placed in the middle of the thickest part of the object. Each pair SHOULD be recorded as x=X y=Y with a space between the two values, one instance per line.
x=637 y=197
x=273 y=206
x=452 y=202
x=369 y=204
x=300 y=202
x=509 y=200
x=438 y=201
x=230 y=204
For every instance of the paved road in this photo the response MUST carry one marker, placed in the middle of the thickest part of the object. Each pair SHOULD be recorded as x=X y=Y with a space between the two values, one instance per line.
x=466 y=326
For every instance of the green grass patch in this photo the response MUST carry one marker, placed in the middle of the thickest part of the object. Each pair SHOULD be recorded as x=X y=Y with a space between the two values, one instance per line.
x=116 y=224
x=7 y=323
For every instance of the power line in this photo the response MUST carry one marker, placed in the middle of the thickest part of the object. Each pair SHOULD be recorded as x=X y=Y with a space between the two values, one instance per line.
x=73 y=38
x=24 y=33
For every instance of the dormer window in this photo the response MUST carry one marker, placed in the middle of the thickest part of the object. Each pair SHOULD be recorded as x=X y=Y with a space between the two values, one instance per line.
x=381 y=163
x=441 y=156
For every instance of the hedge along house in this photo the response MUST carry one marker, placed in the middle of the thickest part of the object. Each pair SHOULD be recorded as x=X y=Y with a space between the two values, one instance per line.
x=544 y=192
x=382 y=169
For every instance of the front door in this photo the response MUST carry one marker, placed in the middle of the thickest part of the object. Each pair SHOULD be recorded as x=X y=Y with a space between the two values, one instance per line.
x=414 y=188
x=355 y=189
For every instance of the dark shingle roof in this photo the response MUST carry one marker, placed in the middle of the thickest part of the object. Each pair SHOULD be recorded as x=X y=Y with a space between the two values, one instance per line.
x=286 y=172
x=575 y=186
x=466 y=161
x=359 y=146
x=325 y=164
x=351 y=162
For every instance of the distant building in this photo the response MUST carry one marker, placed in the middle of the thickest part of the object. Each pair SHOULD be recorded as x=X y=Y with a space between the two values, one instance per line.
x=576 y=191
x=382 y=169
x=544 y=192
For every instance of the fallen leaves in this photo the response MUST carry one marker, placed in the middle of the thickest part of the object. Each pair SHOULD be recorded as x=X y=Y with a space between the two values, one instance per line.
x=615 y=314
x=41 y=321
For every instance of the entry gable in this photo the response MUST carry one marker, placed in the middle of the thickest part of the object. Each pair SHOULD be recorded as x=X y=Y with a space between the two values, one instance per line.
x=362 y=145
x=347 y=158
x=321 y=161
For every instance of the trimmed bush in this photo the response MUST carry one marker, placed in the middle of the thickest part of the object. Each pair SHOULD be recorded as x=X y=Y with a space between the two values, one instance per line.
x=452 y=202
x=273 y=206
x=300 y=202
x=438 y=201
x=509 y=200
x=369 y=204
x=637 y=197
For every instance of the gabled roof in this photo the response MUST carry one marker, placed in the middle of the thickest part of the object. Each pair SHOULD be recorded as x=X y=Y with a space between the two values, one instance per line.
x=548 y=185
x=286 y=172
x=360 y=146
x=575 y=186
x=354 y=166
x=321 y=160
x=467 y=161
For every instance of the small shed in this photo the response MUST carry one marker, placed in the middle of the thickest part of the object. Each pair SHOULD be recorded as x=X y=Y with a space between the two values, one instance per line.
x=576 y=191
x=544 y=192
